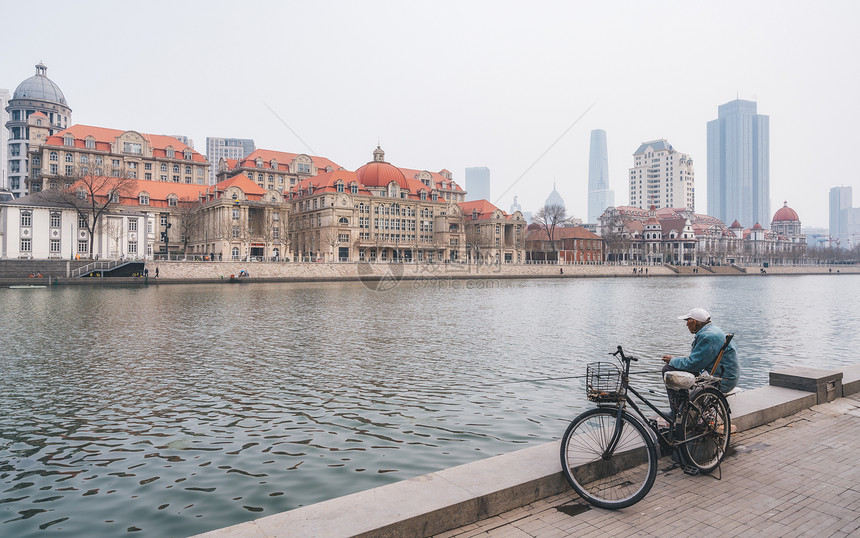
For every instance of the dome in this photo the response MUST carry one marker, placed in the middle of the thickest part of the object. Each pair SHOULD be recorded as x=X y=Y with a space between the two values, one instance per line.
x=757 y=226
x=786 y=213
x=40 y=87
x=736 y=224
x=379 y=173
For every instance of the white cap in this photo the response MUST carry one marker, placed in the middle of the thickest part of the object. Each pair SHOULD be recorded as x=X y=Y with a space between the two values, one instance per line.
x=699 y=314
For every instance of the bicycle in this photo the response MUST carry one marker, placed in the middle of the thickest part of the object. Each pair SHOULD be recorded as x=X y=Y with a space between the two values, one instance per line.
x=609 y=456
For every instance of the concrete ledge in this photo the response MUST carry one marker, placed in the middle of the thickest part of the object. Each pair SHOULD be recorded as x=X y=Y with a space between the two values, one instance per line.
x=451 y=498
x=850 y=380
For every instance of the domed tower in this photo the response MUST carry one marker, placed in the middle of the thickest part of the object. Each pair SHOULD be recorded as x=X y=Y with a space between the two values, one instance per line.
x=787 y=224
x=381 y=177
x=36 y=94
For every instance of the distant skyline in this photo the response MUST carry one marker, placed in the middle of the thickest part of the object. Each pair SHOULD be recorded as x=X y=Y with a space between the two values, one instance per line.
x=449 y=84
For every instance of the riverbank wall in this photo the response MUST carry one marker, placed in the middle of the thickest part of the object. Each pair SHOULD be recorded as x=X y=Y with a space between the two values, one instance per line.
x=381 y=273
x=438 y=502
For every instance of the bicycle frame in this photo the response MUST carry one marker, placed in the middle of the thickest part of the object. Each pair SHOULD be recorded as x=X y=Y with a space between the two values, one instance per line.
x=628 y=400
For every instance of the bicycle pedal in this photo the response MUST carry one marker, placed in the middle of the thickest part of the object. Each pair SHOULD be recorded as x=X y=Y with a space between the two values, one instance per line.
x=690 y=470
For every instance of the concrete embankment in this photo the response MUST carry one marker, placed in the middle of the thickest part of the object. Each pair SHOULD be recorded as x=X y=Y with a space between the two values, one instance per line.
x=220 y=272
x=457 y=497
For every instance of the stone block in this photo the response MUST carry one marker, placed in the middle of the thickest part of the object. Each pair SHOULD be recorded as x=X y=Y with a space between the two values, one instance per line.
x=826 y=384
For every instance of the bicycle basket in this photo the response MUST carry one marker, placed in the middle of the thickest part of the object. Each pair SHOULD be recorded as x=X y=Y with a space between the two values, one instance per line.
x=603 y=382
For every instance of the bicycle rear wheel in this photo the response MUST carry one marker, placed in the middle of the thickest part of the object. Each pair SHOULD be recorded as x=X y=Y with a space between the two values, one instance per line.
x=706 y=428
x=618 y=480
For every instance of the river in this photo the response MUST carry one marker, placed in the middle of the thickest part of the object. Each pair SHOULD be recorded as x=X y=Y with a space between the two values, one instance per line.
x=173 y=410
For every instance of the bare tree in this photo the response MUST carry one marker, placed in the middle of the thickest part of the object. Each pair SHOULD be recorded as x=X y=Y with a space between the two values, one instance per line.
x=115 y=229
x=92 y=195
x=551 y=217
x=189 y=220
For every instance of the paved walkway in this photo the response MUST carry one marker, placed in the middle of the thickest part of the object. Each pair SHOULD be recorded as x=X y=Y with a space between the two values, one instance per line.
x=797 y=476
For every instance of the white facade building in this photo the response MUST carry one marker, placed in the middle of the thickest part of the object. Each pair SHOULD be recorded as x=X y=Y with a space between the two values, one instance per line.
x=662 y=177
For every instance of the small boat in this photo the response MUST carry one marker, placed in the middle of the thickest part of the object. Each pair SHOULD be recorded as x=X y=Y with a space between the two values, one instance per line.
x=27 y=287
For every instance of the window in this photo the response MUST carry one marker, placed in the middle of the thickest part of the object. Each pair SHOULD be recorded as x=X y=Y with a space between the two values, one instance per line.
x=115 y=163
x=83 y=221
x=176 y=179
x=304 y=168
x=187 y=155
x=14 y=166
x=235 y=231
x=276 y=233
x=343 y=221
x=55 y=246
x=53 y=157
x=114 y=197
x=163 y=220
x=85 y=158
x=188 y=170
x=26 y=218
x=147 y=166
x=26 y=245
x=175 y=168
x=171 y=153
x=147 y=176
x=132 y=147
x=55 y=220
x=83 y=246
x=353 y=188
x=82 y=194
x=15 y=150
x=68 y=140
x=90 y=143
x=98 y=160
x=70 y=170
x=132 y=225
x=235 y=213
x=235 y=253
x=340 y=186
x=172 y=201
x=164 y=167
x=132 y=247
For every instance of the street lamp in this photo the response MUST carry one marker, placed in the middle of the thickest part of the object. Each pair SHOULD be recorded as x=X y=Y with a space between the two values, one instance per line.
x=166 y=237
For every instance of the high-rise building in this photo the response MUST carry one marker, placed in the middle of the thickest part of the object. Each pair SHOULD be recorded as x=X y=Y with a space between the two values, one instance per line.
x=515 y=206
x=662 y=177
x=226 y=148
x=739 y=164
x=840 y=201
x=184 y=139
x=600 y=196
x=478 y=183
x=4 y=139
x=36 y=94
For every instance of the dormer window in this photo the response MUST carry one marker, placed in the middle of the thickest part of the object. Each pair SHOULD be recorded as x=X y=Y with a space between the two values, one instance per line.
x=340 y=186
x=435 y=197
x=353 y=188
x=171 y=153
x=81 y=194
x=143 y=198
x=68 y=140
x=274 y=164
x=90 y=143
x=259 y=163
x=171 y=201
x=423 y=195
x=113 y=196
x=474 y=214
x=187 y=155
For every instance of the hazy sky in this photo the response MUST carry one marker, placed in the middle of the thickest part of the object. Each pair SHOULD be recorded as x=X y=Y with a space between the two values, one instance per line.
x=459 y=84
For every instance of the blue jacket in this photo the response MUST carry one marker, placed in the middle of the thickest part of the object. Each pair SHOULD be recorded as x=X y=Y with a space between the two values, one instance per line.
x=706 y=346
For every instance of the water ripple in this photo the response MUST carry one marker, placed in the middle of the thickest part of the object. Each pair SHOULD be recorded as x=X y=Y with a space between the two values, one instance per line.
x=178 y=409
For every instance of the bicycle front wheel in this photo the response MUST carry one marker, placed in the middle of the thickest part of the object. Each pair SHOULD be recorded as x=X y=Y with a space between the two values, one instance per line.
x=706 y=428
x=611 y=480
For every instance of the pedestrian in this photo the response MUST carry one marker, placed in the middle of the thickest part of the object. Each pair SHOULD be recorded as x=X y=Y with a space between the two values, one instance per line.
x=707 y=343
x=156 y=272
x=646 y=270
x=145 y=272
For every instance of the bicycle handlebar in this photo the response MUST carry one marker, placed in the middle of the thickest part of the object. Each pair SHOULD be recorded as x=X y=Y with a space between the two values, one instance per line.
x=624 y=357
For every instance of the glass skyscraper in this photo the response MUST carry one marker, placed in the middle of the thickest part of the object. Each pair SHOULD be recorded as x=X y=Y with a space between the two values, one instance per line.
x=478 y=183
x=599 y=195
x=739 y=164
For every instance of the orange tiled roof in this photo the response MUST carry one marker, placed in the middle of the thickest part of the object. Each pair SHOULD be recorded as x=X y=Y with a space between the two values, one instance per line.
x=104 y=137
x=283 y=159
x=485 y=209
x=438 y=178
x=566 y=232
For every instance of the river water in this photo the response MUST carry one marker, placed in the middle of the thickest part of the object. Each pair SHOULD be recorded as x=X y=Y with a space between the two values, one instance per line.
x=172 y=410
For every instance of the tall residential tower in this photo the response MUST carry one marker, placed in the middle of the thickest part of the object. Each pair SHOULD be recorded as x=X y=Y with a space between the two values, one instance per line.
x=739 y=164
x=226 y=148
x=600 y=196
x=662 y=177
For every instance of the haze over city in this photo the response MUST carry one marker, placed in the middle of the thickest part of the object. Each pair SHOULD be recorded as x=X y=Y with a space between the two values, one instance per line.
x=453 y=85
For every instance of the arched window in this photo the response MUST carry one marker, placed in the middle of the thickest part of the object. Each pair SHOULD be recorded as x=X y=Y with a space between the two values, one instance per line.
x=53 y=156
x=144 y=198
x=343 y=221
x=171 y=153
x=172 y=201
x=235 y=253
